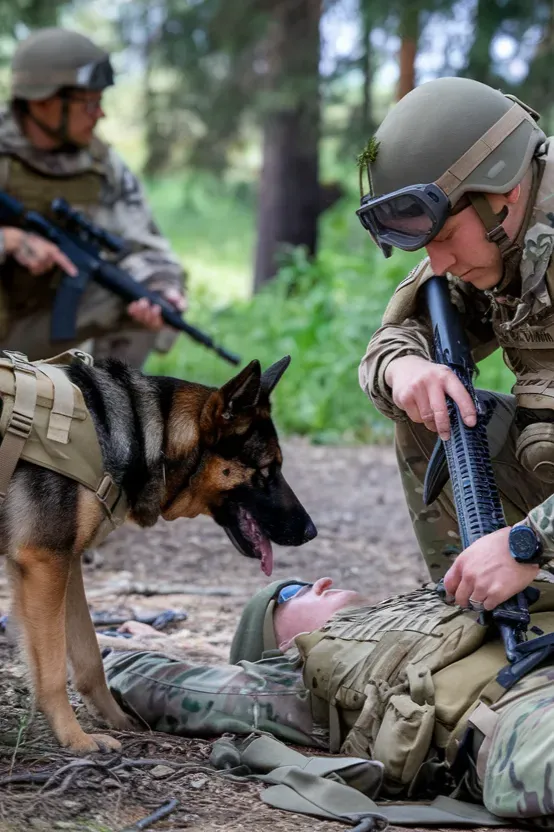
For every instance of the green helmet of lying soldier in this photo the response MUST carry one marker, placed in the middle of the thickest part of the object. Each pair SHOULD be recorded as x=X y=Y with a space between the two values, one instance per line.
x=397 y=682
x=466 y=173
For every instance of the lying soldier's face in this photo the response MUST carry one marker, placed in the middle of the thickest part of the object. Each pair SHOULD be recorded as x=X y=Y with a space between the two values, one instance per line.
x=310 y=608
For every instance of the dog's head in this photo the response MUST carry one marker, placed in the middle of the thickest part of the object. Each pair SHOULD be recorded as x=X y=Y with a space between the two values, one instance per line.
x=226 y=463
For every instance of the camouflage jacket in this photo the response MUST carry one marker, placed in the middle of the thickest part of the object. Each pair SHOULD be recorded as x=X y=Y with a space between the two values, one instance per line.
x=523 y=327
x=122 y=206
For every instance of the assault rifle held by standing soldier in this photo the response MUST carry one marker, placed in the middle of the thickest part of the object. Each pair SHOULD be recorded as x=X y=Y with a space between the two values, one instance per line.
x=84 y=243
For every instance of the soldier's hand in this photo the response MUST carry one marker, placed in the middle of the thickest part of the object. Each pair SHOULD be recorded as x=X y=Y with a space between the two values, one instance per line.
x=150 y=315
x=419 y=388
x=35 y=253
x=487 y=574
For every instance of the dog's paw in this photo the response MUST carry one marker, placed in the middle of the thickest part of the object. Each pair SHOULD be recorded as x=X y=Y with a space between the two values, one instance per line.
x=89 y=743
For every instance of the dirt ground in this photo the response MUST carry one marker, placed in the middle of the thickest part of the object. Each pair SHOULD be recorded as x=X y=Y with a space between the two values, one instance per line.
x=365 y=541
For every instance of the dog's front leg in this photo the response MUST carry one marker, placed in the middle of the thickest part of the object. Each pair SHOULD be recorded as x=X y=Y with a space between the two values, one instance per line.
x=84 y=655
x=40 y=579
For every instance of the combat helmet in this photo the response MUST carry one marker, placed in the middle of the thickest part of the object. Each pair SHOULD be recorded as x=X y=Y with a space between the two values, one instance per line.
x=53 y=58
x=440 y=148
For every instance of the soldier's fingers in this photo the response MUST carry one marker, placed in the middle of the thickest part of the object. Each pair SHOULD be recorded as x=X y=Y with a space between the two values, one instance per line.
x=425 y=409
x=412 y=411
x=437 y=401
x=60 y=259
x=463 y=593
x=146 y=314
x=456 y=390
x=153 y=317
x=176 y=298
x=453 y=577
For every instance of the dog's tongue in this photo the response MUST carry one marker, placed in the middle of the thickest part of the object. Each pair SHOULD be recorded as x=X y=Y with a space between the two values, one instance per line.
x=257 y=538
x=267 y=557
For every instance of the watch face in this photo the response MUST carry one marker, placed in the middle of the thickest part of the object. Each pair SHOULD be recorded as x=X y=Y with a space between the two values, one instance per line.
x=523 y=543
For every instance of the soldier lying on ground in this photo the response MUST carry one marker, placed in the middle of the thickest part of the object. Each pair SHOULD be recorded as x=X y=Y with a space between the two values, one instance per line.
x=49 y=149
x=396 y=682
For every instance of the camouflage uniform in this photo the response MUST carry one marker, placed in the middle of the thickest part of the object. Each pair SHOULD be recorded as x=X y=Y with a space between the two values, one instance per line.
x=121 y=207
x=524 y=328
x=193 y=700
x=179 y=697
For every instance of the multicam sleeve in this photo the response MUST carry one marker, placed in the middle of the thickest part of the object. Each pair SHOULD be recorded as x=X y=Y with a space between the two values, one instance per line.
x=406 y=331
x=194 y=700
x=126 y=212
x=387 y=344
x=541 y=520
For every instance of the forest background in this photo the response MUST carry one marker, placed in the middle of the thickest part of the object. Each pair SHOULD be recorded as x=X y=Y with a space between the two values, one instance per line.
x=244 y=119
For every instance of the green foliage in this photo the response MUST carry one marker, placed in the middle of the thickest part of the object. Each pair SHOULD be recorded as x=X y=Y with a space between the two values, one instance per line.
x=322 y=313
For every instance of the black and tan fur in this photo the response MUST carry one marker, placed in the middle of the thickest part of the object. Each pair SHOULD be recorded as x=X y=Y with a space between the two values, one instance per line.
x=177 y=450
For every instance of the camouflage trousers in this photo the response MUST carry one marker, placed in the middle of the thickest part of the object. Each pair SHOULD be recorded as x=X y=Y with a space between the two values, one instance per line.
x=179 y=697
x=101 y=317
x=436 y=526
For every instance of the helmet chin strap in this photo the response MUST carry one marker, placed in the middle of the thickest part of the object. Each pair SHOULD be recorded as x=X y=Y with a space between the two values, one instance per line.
x=60 y=133
x=510 y=250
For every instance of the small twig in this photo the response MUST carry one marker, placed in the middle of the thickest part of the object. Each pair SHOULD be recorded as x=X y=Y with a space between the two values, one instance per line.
x=136 y=588
x=22 y=728
x=75 y=765
x=150 y=820
x=16 y=779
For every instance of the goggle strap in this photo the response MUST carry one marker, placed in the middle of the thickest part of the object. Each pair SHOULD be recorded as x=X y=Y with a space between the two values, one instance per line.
x=483 y=147
x=493 y=224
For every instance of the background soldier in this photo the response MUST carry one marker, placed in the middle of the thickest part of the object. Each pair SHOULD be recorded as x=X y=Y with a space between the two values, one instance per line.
x=48 y=149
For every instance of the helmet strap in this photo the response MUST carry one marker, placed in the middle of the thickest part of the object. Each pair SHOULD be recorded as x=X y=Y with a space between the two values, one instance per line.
x=60 y=132
x=493 y=225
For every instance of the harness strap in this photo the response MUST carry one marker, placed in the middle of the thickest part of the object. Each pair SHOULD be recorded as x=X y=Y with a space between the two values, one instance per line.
x=63 y=406
x=484 y=720
x=21 y=418
x=108 y=494
x=482 y=148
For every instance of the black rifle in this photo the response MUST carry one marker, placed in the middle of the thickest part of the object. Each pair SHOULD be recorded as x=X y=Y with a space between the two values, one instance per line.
x=84 y=243
x=465 y=456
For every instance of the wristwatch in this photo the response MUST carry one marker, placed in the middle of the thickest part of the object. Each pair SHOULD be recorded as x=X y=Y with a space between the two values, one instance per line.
x=525 y=546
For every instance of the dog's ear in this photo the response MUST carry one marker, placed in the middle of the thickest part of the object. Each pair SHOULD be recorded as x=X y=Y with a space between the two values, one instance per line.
x=273 y=374
x=242 y=391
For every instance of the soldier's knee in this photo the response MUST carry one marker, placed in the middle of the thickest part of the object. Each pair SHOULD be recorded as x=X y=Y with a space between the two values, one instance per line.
x=516 y=781
x=413 y=441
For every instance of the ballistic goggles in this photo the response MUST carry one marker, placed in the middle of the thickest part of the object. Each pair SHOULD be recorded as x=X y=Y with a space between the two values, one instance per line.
x=291 y=591
x=408 y=218
x=95 y=76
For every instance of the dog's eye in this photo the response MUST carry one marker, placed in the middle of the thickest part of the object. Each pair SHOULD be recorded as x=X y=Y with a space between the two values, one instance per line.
x=226 y=472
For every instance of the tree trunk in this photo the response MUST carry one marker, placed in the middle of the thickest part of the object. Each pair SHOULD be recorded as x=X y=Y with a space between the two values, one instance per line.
x=367 y=68
x=408 y=31
x=487 y=19
x=289 y=198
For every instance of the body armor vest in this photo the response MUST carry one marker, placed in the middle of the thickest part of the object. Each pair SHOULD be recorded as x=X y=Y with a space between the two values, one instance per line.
x=23 y=292
x=45 y=421
x=401 y=678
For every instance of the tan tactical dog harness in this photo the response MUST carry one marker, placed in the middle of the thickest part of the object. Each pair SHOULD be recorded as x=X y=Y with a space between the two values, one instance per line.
x=45 y=421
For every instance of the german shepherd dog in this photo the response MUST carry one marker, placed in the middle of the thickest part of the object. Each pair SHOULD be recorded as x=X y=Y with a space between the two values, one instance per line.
x=176 y=449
